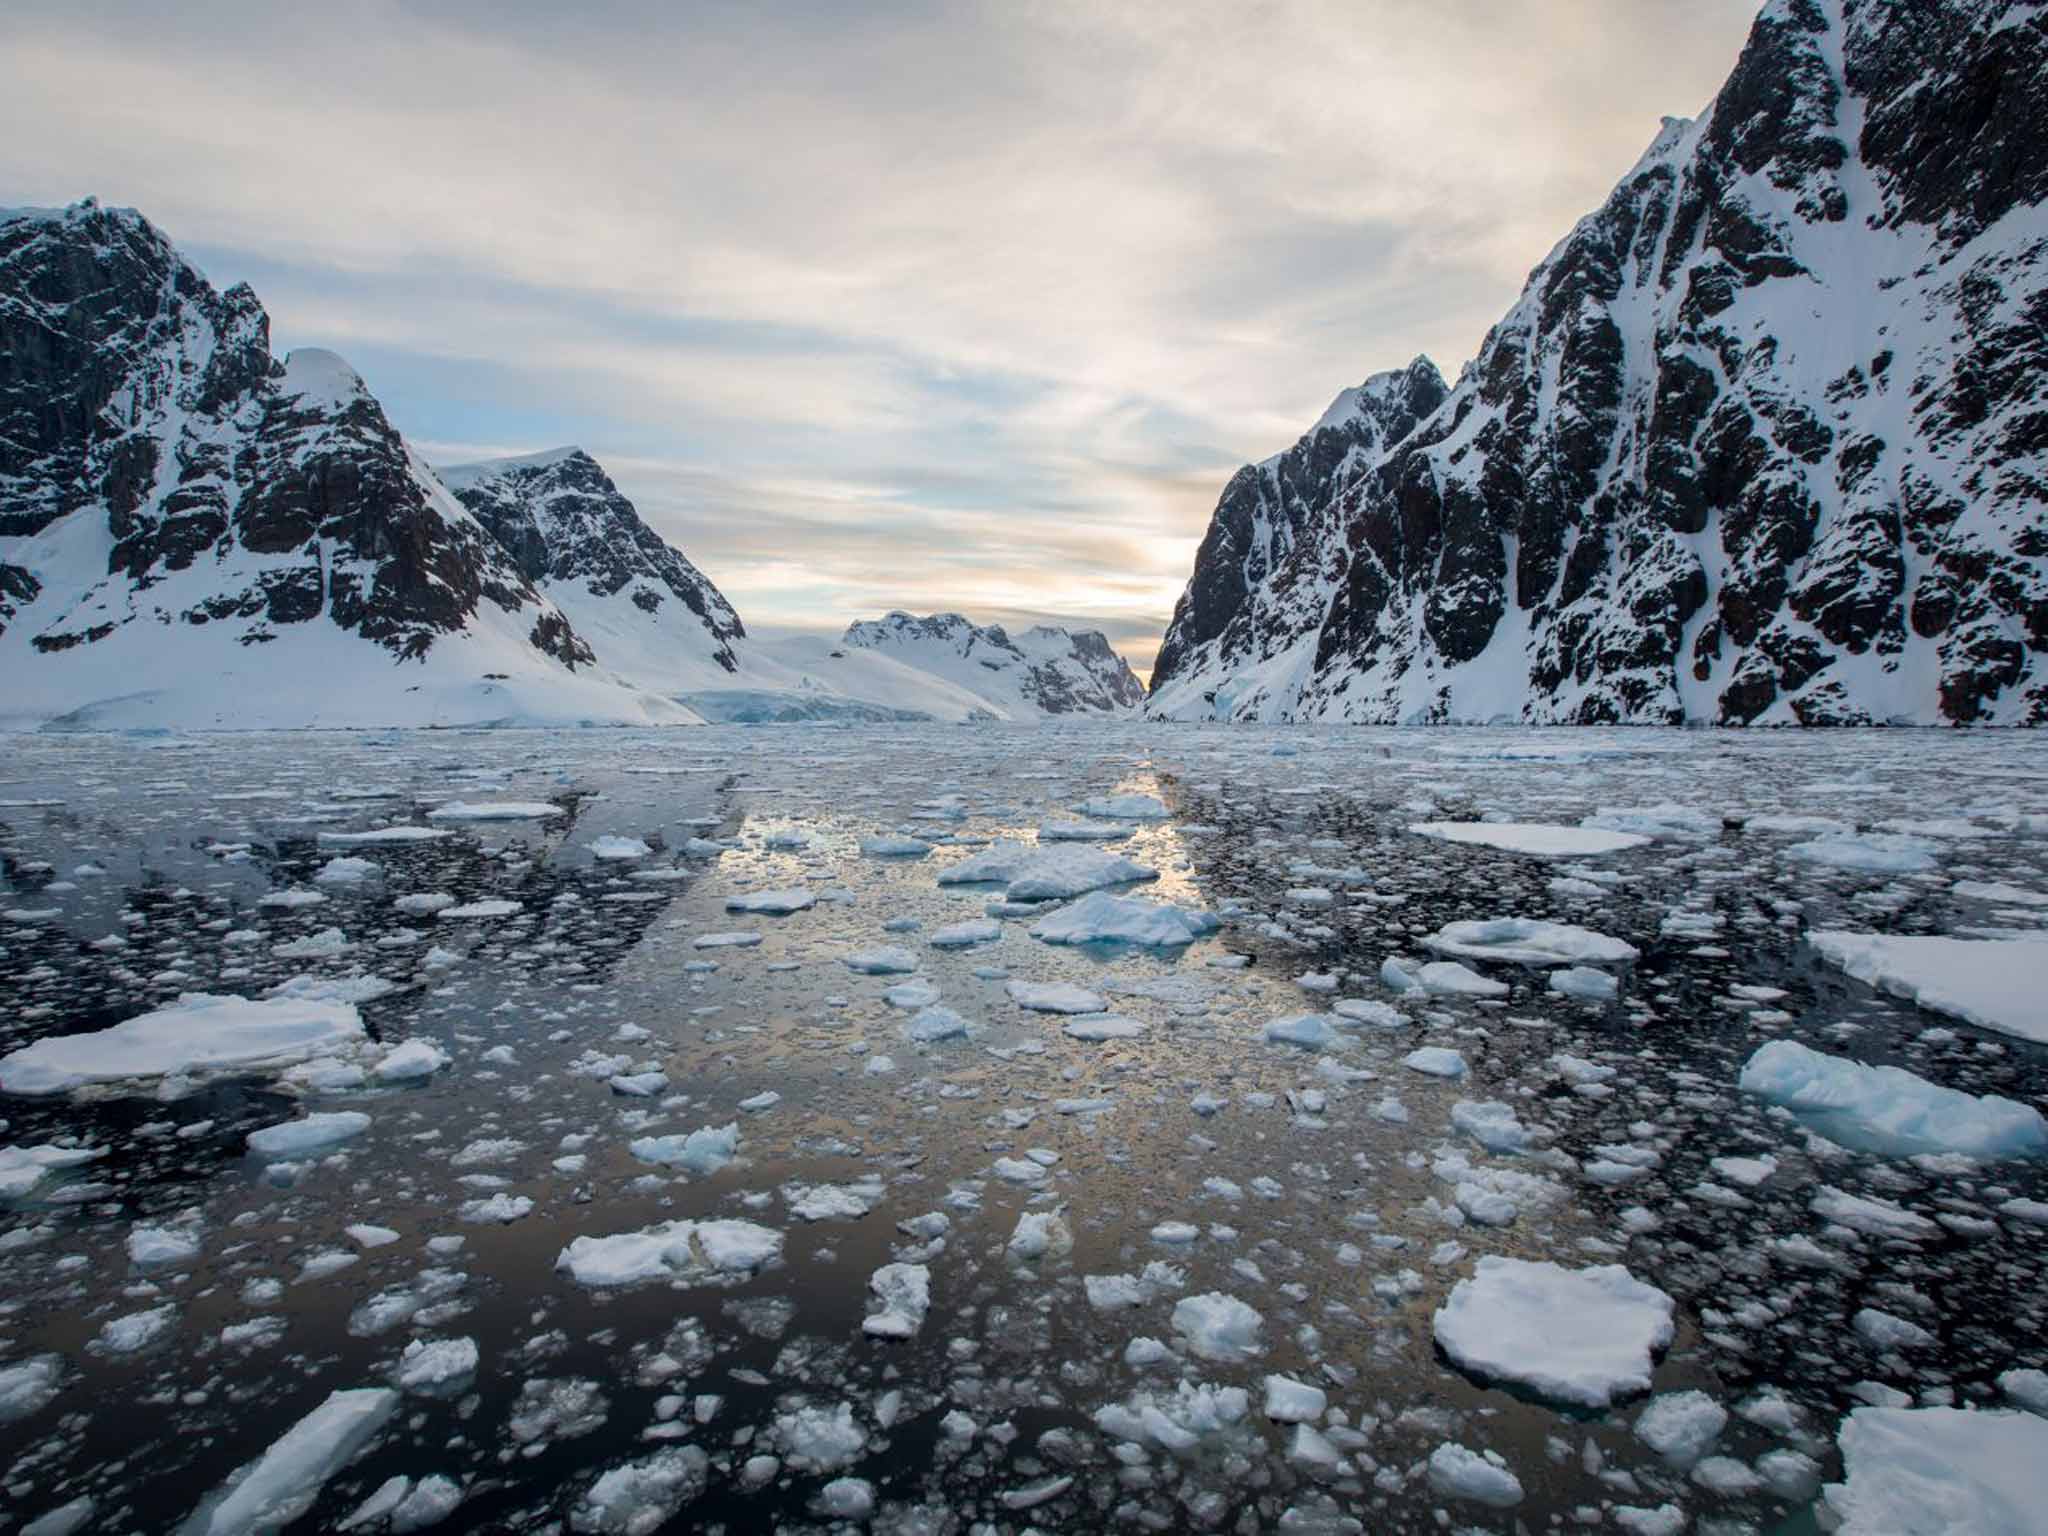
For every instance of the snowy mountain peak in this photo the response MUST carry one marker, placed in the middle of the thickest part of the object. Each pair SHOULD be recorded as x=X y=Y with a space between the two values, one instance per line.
x=1046 y=670
x=1762 y=440
x=576 y=536
x=195 y=532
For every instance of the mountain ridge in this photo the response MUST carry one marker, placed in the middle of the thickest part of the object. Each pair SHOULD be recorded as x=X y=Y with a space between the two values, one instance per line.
x=1764 y=440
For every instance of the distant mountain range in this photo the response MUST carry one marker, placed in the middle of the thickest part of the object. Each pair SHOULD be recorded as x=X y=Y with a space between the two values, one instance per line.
x=1764 y=441
x=194 y=532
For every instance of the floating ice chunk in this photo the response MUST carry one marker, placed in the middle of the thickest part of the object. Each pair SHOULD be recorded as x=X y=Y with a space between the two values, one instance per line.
x=409 y=1061
x=1748 y=1172
x=497 y=906
x=347 y=871
x=933 y=1024
x=1528 y=941
x=1084 y=831
x=1097 y=1027
x=1871 y=853
x=377 y=835
x=1492 y=1124
x=314 y=1133
x=2000 y=892
x=153 y=1247
x=1992 y=983
x=694 y=1252
x=1294 y=1402
x=435 y=1367
x=283 y=1483
x=775 y=903
x=976 y=930
x=1020 y=1170
x=883 y=960
x=1435 y=1061
x=23 y=1168
x=1585 y=984
x=1549 y=842
x=1179 y=1422
x=1218 y=1327
x=642 y=1496
x=911 y=995
x=895 y=847
x=1039 y=1234
x=1458 y=1472
x=1667 y=820
x=1310 y=1031
x=833 y=1202
x=421 y=903
x=1681 y=1426
x=496 y=810
x=290 y=900
x=1440 y=978
x=904 y=1294
x=198 y=1034
x=372 y=1236
x=1883 y=1330
x=1103 y=918
x=1060 y=873
x=66 y=1519
x=1055 y=997
x=1940 y=1472
x=744 y=939
x=1888 y=1110
x=501 y=1207
x=1576 y=1336
x=1869 y=1215
x=640 y=1085
x=613 y=849
x=1359 y=1010
x=27 y=1386
x=703 y=1151
x=1125 y=807
x=818 y=1439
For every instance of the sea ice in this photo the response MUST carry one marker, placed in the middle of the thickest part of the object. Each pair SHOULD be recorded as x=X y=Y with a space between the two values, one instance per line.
x=694 y=1252
x=1577 y=1336
x=903 y=1292
x=282 y=1484
x=313 y=1133
x=775 y=903
x=1992 y=983
x=1218 y=1327
x=1103 y=918
x=1544 y=841
x=1055 y=997
x=1888 y=1110
x=199 y=1033
x=1940 y=1472
x=1528 y=941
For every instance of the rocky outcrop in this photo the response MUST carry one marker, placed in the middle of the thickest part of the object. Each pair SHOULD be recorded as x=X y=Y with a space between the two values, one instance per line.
x=580 y=541
x=1042 y=671
x=1765 y=439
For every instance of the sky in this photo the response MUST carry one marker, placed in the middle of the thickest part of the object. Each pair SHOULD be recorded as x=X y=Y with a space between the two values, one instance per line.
x=894 y=305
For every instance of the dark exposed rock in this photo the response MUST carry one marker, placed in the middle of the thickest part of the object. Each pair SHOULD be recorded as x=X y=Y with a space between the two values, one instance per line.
x=574 y=535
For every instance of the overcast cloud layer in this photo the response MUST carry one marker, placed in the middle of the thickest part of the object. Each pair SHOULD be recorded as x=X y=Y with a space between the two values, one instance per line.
x=967 y=306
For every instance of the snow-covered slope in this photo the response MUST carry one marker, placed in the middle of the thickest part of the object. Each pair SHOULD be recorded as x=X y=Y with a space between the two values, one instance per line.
x=644 y=608
x=1765 y=439
x=193 y=533
x=1042 y=671
x=657 y=622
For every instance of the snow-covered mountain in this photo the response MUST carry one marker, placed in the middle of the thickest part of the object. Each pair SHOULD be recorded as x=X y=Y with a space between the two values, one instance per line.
x=1765 y=439
x=643 y=607
x=657 y=622
x=1042 y=671
x=193 y=532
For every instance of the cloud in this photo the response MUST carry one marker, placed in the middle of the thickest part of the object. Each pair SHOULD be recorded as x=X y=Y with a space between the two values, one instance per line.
x=1017 y=283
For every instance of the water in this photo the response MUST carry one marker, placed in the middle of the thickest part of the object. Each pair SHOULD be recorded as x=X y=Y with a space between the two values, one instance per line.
x=1333 y=1235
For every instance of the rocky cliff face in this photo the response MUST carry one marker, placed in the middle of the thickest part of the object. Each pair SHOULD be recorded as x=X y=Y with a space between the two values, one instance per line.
x=1765 y=439
x=1042 y=671
x=158 y=467
x=581 y=542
